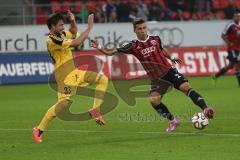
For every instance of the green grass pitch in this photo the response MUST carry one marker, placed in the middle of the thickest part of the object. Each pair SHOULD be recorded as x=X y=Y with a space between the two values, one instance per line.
x=131 y=132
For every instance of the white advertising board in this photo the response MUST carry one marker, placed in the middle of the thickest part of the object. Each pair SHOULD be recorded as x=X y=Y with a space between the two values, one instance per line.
x=173 y=34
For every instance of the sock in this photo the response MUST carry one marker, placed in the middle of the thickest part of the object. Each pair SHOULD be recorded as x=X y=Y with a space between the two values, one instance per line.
x=238 y=77
x=47 y=118
x=51 y=114
x=221 y=72
x=101 y=86
x=197 y=99
x=163 y=110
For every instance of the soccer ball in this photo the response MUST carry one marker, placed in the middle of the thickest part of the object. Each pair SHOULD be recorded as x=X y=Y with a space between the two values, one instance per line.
x=199 y=121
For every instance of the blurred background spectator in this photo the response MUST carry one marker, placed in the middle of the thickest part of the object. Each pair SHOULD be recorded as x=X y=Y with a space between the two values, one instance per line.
x=155 y=10
x=142 y=10
x=123 y=10
x=36 y=11
x=108 y=8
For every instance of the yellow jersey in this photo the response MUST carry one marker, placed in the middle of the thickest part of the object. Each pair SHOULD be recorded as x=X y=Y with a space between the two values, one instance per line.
x=60 y=51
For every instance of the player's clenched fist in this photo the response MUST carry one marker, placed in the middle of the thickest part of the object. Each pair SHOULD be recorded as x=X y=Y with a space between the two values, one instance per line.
x=70 y=16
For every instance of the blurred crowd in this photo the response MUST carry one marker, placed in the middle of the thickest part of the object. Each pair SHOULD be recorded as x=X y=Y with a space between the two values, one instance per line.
x=151 y=10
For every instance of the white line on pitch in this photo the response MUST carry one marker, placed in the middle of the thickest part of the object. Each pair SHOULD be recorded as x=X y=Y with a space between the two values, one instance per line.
x=137 y=132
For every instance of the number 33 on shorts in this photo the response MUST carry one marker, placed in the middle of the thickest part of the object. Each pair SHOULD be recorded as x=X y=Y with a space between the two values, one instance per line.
x=67 y=90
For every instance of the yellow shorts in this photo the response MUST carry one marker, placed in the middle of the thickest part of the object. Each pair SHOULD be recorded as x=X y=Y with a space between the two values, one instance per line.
x=76 y=78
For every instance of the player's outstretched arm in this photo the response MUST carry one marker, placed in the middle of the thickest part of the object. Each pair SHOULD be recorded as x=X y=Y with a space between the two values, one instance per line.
x=106 y=51
x=73 y=24
x=85 y=33
x=173 y=59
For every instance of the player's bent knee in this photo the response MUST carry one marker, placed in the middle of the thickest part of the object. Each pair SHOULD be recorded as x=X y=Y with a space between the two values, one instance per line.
x=65 y=102
x=103 y=80
x=184 y=87
x=155 y=98
x=62 y=105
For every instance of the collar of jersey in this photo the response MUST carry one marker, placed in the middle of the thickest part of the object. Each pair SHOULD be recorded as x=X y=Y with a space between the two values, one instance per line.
x=55 y=37
x=144 y=40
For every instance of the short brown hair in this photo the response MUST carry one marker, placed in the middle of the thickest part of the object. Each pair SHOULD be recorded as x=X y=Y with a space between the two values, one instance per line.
x=53 y=19
x=137 y=21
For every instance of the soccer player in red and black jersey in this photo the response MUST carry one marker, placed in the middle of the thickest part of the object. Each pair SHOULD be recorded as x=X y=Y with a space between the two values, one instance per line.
x=231 y=35
x=154 y=59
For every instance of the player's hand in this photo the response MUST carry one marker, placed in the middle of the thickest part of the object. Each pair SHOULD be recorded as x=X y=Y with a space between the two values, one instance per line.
x=94 y=43
x=176 y=60
x=70 y=16
x=90 y=21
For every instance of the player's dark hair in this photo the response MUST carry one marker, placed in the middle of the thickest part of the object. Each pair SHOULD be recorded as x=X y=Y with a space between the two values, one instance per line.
x=137 y=21
x=53 y=19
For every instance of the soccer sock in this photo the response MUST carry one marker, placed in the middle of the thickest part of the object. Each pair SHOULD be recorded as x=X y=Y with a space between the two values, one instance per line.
x=51 y=114
x=101 y=86
x=163 y=110
x=238 y=77
x=197 y=99
x=47 y=118
x=221 y=72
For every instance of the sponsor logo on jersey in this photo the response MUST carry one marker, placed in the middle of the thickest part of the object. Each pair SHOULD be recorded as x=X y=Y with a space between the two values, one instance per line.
x=146 y=51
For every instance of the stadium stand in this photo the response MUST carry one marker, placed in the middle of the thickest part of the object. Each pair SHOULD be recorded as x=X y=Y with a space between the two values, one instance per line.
x=156 y=9
x=109 y=10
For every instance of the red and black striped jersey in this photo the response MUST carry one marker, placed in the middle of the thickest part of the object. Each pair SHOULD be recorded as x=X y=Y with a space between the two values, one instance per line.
x=150 y=55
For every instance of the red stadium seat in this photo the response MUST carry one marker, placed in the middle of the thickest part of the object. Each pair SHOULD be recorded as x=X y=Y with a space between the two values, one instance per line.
x=224 y=4
x=124 y=1
x=66 y=5
x=186 y=16
x=41 y=17
x=173 y=15
x=91 y=6
x=133 y=2
x=236 y=3
x=216 y=4
x=55 y=6
x=208 y=16
x=114 y=1
x=220 y=4
x=221 y=15
x=100 y=4
x=39 y=11
x=147 y=1
x=77 y=6
x=199 y=15
x=162 y=3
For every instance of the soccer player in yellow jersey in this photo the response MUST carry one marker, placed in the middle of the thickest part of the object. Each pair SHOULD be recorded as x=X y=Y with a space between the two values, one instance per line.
x=68 y=78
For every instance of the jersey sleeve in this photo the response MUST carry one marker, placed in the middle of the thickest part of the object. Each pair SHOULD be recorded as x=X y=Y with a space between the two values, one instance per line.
x=227 y=29
x=126 y=48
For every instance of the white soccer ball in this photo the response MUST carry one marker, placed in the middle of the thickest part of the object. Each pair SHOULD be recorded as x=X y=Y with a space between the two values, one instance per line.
x=199 y=121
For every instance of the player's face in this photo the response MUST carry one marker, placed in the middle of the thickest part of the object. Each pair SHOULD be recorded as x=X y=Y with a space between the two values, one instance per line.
x=59 y=27
x=141 y=31
x=236 y=18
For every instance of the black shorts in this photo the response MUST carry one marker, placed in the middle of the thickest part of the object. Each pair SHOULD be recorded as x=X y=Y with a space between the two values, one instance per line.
x=172 y=79
x=233 y=56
